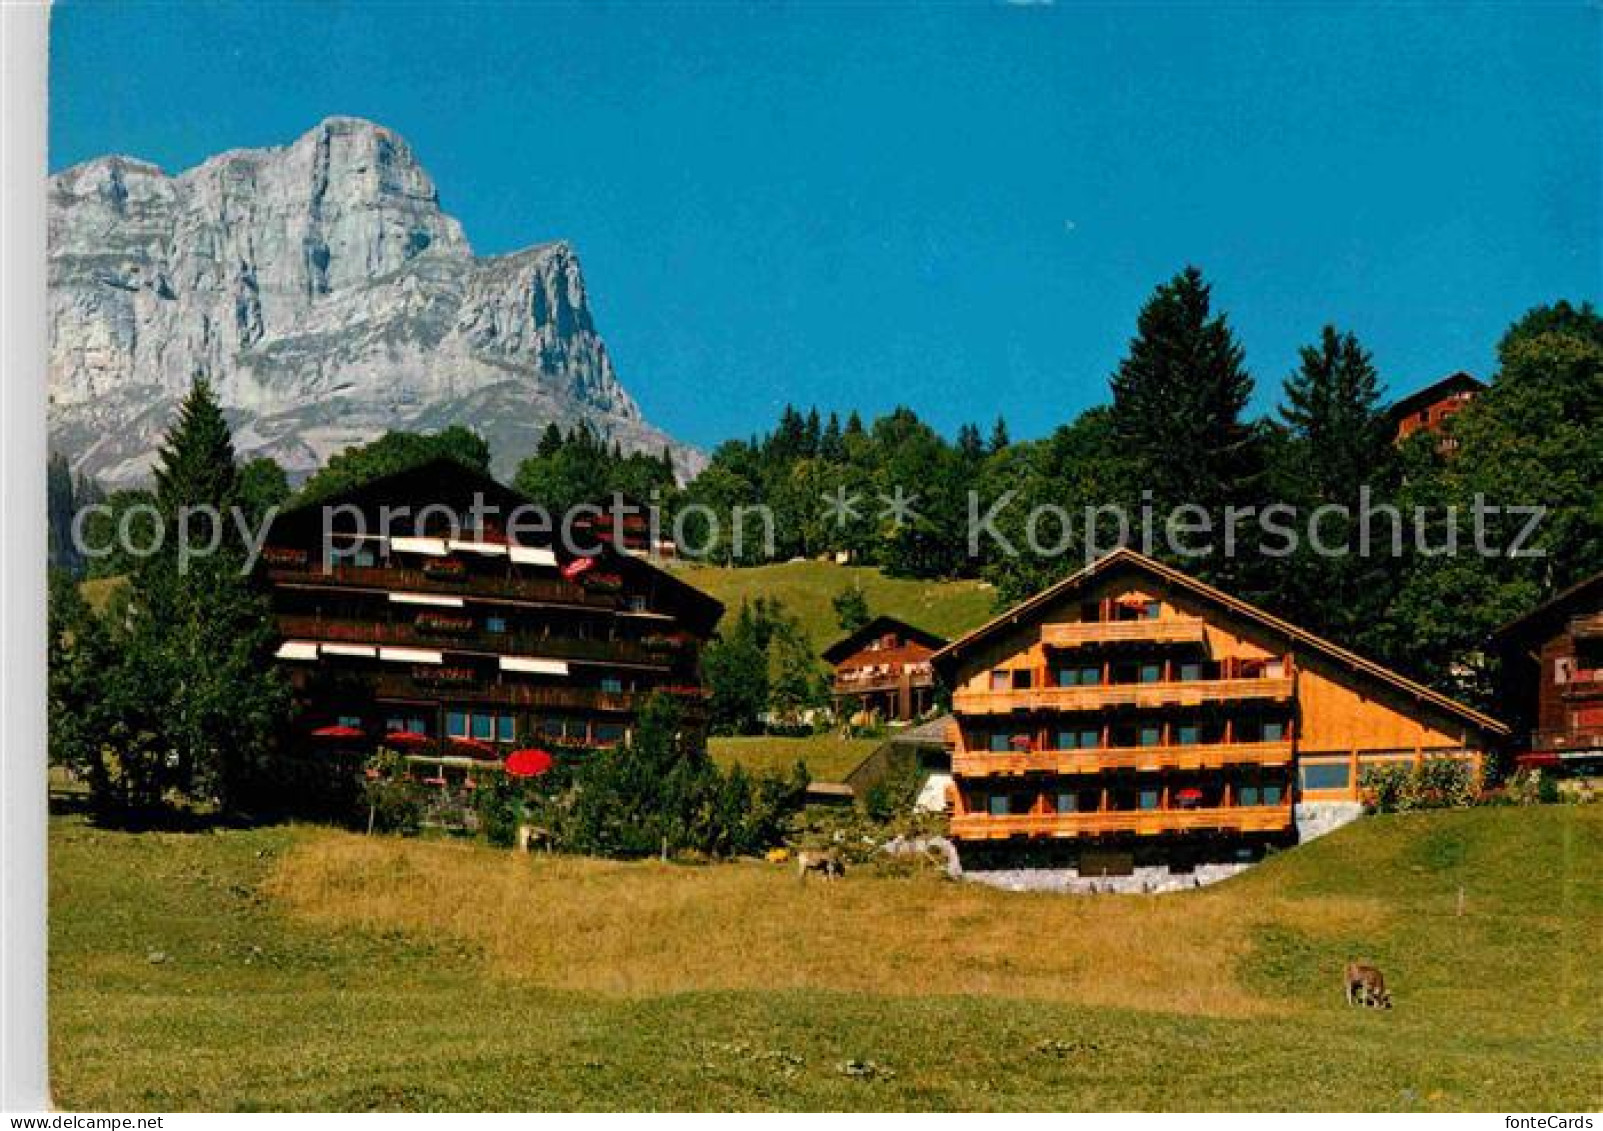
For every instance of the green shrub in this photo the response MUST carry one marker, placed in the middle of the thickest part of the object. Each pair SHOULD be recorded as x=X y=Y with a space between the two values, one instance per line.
x=392 y=797
x=1436 y=783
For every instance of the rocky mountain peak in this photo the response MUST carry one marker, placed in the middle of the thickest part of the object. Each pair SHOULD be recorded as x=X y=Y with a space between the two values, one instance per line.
x=326 y=294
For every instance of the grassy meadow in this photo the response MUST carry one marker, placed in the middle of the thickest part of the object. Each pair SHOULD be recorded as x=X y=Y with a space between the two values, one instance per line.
x=828 y=756
x=948 y=608
x=300 y=967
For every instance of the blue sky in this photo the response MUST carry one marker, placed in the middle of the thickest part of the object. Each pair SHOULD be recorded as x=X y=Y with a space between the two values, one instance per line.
x=959 y=208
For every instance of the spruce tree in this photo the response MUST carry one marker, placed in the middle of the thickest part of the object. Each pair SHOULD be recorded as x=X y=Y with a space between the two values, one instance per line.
x=1178 y=399
x=999 y=436
x=1333 y=409
x=195 y=465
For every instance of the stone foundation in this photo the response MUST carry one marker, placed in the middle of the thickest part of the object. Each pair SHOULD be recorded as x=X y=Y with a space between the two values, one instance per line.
x=1144 y=880
x=1316 y=818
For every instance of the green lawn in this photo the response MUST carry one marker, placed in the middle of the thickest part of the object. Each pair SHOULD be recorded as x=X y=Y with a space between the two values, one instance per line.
x=948 y=608
x=307 y=968
x=829 y=757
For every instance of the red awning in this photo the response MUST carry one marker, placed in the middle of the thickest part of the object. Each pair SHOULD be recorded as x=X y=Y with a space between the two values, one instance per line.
x=1542 y=759
x=473 y=747
x=528 y=763
x=406 y=738
x=338 y=732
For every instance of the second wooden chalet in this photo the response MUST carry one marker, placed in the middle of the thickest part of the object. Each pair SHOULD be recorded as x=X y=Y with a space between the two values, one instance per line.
x=883 y=669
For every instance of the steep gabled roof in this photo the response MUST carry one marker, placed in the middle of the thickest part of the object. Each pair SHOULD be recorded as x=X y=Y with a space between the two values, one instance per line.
x=443 y=478
x=946 y=659
x=879 y=626
x=1459 y=382
x=1583 y=596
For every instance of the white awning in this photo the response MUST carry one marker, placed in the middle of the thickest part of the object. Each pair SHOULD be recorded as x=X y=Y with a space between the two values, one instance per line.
x=477 y=547
x=444 y=601
x=533 y=555
x=366 y=651
x=434 y=547
x=297 y=650
x=533 y=664
x=411 y=655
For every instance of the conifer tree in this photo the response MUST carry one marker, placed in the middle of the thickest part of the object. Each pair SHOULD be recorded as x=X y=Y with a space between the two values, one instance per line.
x=1334 y=412
x=196 y=464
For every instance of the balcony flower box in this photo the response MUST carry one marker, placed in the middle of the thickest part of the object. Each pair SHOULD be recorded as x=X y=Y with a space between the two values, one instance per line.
x=601 y=582
x=445 y=569
x=428 y=673
x=443 y=624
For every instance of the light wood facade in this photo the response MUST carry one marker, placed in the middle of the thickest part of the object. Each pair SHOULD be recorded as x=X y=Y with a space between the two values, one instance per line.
x=1132 y=701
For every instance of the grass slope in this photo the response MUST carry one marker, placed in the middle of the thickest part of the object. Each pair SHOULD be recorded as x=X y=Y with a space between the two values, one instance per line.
x=306 y=968
x=949 y=608
x=829 y=757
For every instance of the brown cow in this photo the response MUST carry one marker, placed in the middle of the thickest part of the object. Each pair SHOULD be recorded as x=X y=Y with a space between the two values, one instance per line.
x=1366 y=985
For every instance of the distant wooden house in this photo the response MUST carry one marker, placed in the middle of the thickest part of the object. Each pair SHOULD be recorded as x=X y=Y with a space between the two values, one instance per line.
x=884 y=669
x=1553 y=679
x=1427 y=409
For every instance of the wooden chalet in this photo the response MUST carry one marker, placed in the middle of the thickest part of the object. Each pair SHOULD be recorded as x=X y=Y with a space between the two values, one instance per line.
x=1552 y=670
x=883 y=669
x=456 y=636
x=1427 y=409
x=1132 y=709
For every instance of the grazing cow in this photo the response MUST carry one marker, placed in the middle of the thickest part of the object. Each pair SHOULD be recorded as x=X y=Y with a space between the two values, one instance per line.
x=1366 y=986
x=826 y=863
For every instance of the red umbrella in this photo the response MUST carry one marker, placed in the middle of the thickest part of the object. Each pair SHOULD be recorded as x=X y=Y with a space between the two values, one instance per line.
x=338 y=732
x=406 y=738
x=474 y=747
x=1189 y=797
x=528 y=763
x=1022 y=742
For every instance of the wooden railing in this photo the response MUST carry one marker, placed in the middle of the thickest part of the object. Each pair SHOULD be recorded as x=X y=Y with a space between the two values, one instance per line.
x=881 y=683
x=1175 y=757
x=1179 y=693
x=1140 y=822
x=1166 y=630
x=541 y=590
x=346 y=630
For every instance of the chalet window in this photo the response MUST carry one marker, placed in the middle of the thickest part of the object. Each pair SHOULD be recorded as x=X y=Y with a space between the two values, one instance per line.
x=505 y=728
x=1272 y=732
x=495 y=624
x=1188 y=734
x=1001 y=680
x=999 y=742
x=999 y=805
x=1148 y=799
x=414 y=723
x=1152 y=609
x=1021 y=679
x=456 y=724
x=1275 y=669
x=1067 y=802
x=1248 y=795
x=637 y=603
x=1272 y=794
x=1151 y=736
x=350 y=721
x=1325 y=775
x=1190 y=672
x=608 y=734
x=1151 y=673
x=611 y=683
x=484 y=727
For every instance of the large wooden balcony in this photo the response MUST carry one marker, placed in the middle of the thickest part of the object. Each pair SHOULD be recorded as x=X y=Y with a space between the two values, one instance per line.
x=1099 y=697
x=534 y=590
x=349 y=631
x=976 y=764
x=1085 y=634
x=1137 y=822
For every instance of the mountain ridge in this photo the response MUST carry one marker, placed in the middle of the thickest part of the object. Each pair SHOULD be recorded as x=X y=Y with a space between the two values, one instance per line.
x=329 y=298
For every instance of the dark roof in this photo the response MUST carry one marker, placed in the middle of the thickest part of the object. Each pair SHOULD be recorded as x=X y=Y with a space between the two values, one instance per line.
x=945 y=660
x=879 y=626
x=1459 y=382
x=1583 y=596
x=446 y=480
